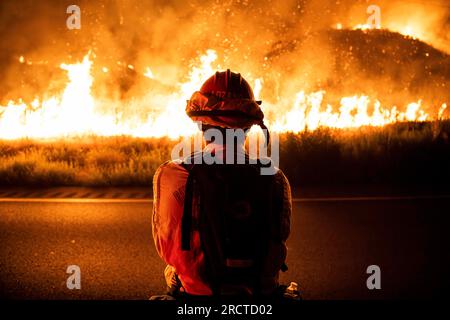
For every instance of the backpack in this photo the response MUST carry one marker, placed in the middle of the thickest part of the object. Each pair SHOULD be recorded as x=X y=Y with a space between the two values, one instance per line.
x=239 y=213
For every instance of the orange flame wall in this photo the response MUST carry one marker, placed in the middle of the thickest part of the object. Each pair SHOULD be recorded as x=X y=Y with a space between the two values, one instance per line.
x=77 y=112
x=147 y=57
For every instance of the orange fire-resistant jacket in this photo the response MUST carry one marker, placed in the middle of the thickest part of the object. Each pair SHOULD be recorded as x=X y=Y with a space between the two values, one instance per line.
x=168 y=190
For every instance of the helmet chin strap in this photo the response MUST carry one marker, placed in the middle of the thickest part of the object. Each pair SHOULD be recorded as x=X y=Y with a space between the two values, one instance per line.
x=266 y=132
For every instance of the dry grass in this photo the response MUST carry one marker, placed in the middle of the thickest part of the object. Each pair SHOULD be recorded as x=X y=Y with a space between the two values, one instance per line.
x=95 y=161
x=400 y=154
x=404 y=153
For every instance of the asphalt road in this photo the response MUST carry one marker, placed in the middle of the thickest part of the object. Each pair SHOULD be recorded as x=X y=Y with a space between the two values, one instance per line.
x=331 y=244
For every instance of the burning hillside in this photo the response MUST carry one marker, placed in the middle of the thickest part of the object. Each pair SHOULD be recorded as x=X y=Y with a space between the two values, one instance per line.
x=124 y=74
x=77 y=110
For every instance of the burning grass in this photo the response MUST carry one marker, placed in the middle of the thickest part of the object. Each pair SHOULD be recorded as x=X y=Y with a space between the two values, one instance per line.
x=403 y=153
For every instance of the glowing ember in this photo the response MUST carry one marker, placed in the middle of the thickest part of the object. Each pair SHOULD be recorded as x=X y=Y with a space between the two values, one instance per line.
x=77 y=112
x=148 y=73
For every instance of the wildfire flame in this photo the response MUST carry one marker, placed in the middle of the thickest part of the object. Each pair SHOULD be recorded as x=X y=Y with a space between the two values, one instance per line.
x=76 y=111
x=407 y=31
x=414 y=25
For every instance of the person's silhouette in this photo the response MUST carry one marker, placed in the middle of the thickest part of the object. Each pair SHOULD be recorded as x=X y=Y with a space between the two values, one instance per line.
x=220 y=227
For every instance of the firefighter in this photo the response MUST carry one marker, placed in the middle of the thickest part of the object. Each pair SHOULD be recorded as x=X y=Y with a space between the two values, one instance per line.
x=221 y=228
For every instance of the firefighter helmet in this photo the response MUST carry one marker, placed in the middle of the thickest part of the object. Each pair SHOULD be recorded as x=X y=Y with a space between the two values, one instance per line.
x=225 y=100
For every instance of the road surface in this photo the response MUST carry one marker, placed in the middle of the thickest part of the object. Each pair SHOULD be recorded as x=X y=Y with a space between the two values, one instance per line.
x=332 y=243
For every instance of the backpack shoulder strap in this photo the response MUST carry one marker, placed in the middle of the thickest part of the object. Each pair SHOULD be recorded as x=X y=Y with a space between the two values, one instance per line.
x=186 y=220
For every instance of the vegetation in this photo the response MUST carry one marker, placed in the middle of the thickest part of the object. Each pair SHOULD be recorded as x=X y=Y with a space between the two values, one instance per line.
x=403 y=153
x=400 y=154
x=93 y=161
